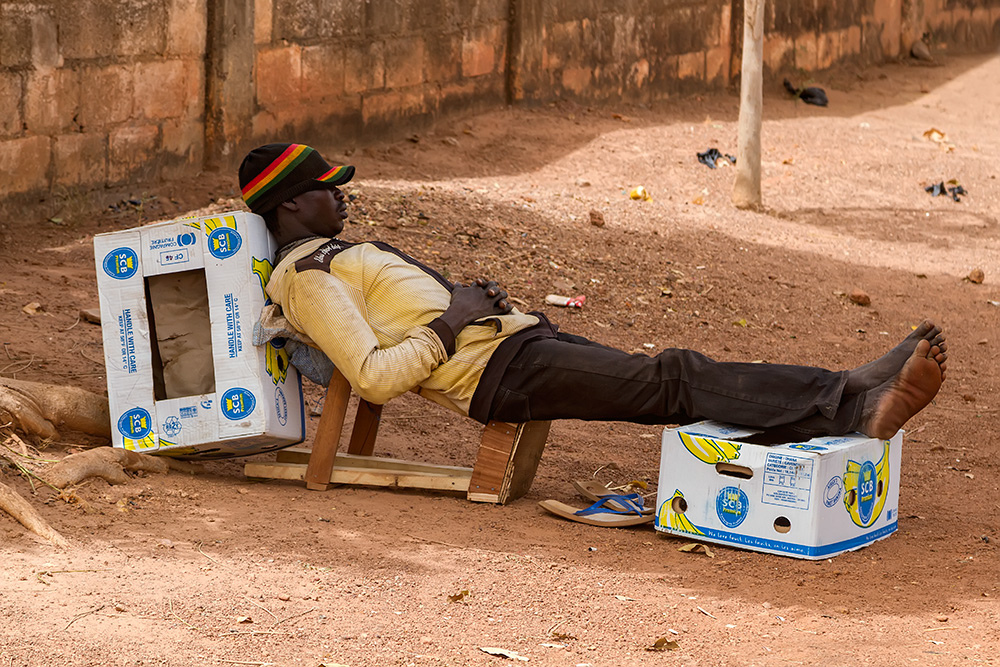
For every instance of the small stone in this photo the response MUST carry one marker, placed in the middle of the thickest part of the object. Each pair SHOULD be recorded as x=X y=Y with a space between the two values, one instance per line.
x=941 y=618
x=119 y=606
x=284 y=597
x=450 y=141
x=860 y=297
x=92 y=315
x=920 y=51
x=596 y=218
x=976 y=276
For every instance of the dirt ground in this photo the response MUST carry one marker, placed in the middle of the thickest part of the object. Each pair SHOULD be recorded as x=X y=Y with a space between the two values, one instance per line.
x=215 y=569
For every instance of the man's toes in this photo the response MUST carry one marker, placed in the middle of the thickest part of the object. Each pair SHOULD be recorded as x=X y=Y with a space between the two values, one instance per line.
x=933 y=352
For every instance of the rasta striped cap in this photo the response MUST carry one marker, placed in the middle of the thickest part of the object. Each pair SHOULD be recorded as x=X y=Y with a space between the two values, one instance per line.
x=275 y=173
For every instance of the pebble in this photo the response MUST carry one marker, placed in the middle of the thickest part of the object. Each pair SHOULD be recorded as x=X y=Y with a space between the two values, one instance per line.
x=284 y=597
x=596 y=218
x=860 y=297
x=977 y=276
x=942 y=618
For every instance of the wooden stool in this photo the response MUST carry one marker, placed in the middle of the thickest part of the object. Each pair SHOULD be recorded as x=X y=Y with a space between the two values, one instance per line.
x=504 y=469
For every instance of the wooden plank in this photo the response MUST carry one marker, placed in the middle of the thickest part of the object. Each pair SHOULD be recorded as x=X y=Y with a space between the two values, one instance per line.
x=301 y=456
x=294 y=455
x=451 y=480
x=507 y=461
x=386 y=463
x=495 y=449
x=388 y=478
x=365 y=430
x=527 y=452
x=295 y=472
x=327 y=439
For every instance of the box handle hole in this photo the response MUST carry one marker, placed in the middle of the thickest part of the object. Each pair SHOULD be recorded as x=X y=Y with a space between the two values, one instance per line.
x=679 y=505
x=878 y=489
x=732 y=470
x=851 y=496
x=782 y=524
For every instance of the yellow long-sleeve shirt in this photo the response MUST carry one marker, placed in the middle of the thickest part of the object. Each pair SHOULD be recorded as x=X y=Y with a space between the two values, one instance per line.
x=368 y=307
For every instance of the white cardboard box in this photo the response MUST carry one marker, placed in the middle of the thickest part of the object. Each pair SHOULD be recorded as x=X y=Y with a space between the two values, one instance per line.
x=809 y=499
x=255 y=401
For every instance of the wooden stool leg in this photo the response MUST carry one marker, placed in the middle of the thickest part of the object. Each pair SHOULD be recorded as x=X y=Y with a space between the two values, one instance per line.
x=366 y=424
x=507 y=460
x=331 y=424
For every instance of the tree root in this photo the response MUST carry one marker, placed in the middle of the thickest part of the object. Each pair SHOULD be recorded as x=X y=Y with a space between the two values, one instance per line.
x=108 y=463
x=19 y=508
x=39 y=409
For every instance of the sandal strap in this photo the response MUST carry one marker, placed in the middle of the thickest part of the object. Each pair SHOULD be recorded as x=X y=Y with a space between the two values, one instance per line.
x=631 y=502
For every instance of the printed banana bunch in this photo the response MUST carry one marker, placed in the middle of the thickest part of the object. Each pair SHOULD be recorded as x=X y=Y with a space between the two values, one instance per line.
x=866 y=486
x=676 y=520
x=710 y=450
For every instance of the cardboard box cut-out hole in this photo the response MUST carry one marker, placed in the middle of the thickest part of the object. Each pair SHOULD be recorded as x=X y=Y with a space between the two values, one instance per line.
x=179 y=300
x=811 y=499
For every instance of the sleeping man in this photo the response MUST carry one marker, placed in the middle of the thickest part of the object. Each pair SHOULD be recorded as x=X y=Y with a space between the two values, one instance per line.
x=391 y=324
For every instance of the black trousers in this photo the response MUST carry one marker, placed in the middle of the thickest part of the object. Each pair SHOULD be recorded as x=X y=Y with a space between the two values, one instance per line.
x=570 y=377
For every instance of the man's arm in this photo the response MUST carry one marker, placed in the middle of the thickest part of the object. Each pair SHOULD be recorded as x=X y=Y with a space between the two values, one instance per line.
x=331 y=313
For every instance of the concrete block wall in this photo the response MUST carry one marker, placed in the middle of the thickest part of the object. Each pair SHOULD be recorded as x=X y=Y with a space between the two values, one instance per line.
x=97 y=93
x=101 y=93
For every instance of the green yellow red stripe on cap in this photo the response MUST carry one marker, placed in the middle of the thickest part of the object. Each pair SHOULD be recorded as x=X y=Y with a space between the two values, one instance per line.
x=277 y=170
x=334 y=174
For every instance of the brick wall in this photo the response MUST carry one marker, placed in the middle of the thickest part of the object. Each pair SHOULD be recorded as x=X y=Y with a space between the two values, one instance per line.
x=100 y=93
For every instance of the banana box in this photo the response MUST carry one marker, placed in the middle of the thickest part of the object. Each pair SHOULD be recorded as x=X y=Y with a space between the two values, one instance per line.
x=179 y=300
x=811 y=499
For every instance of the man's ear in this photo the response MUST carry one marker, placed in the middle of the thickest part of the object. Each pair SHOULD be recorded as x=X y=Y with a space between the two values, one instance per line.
x=290 y=205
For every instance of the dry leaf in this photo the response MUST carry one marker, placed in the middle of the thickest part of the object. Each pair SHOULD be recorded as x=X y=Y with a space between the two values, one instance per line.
x=742 y=322
x=624 y=599
x=32 y=308
x=664 y=644
x=244 y=619
x=561 y=636
x=503 y=653
x=696 y=547
x=935 y=135
x=459 y=596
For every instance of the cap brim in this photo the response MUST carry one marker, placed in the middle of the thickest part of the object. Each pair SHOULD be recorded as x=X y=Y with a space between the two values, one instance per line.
x=337 y=175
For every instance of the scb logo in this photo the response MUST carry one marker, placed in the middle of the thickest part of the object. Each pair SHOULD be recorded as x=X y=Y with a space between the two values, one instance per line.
x=121 y=263
x=237 y=403
x=186 y=238
x=135 y=424
x=866 y=492
x=731 y=505
x=224 y=242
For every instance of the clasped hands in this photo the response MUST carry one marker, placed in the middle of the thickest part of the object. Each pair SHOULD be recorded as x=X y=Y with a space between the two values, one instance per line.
x=479 y=299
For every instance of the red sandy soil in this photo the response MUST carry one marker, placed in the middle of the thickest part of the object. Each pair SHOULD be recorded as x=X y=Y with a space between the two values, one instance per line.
x=215 y=569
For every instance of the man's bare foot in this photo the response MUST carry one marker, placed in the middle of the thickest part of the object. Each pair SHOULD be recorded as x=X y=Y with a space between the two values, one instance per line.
x=891 y=404
x=875 y=373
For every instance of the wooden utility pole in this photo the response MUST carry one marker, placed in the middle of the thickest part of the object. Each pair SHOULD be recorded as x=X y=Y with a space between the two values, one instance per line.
x=746 y=188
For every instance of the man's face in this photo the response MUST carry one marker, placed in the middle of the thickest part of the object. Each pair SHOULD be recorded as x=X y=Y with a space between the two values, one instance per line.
x=322 y=211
